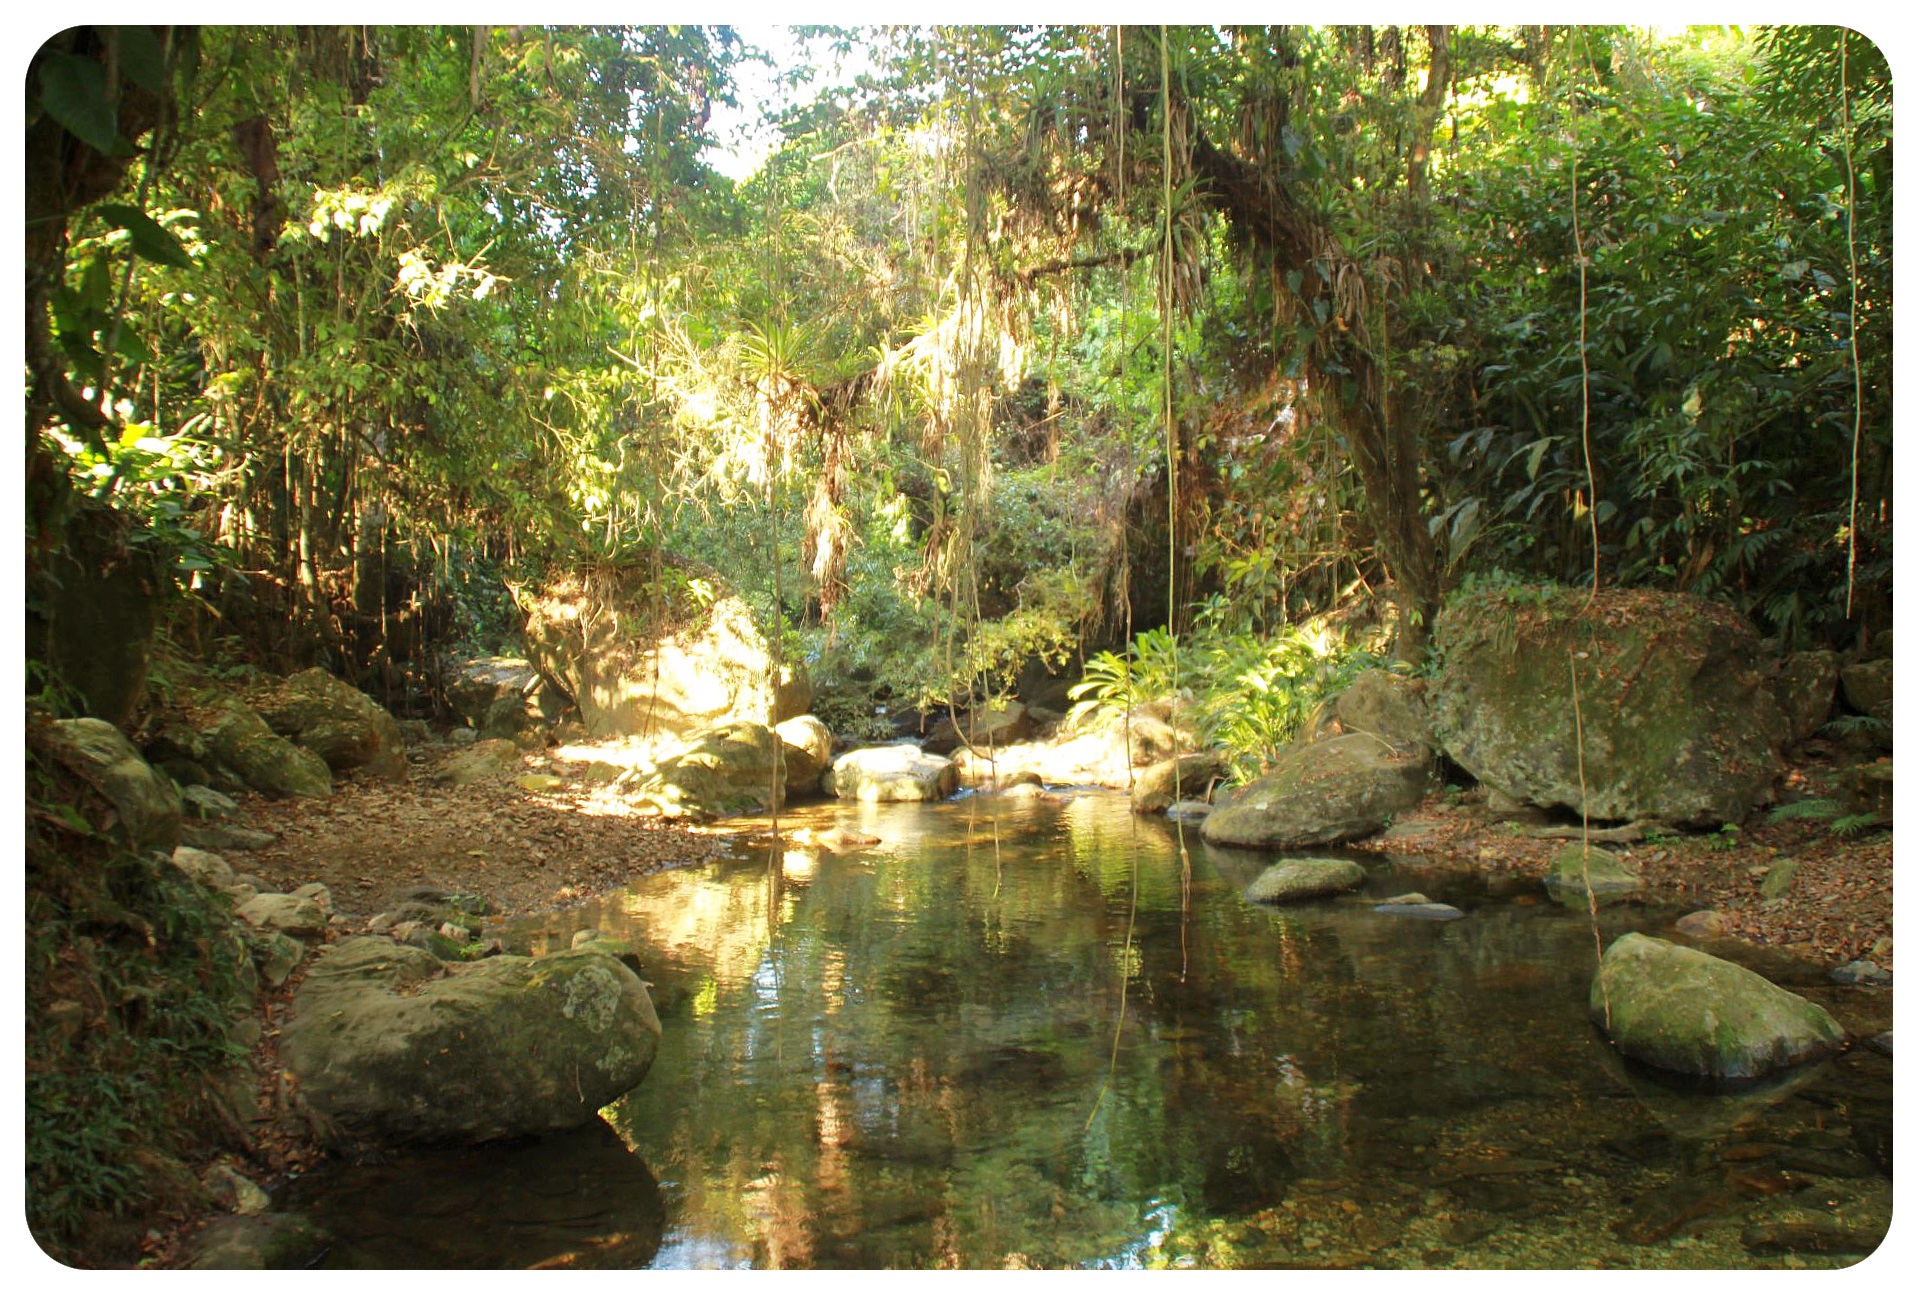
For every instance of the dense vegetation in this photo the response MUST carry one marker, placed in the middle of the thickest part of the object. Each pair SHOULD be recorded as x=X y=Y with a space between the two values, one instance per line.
x=1226 y=352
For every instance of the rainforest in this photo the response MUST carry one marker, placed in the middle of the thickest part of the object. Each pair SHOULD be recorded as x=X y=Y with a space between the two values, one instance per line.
x=957 y=646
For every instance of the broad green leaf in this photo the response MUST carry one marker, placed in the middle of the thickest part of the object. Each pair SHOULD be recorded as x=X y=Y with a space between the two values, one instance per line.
x=150 y=239
x=141 y=58
x=73 y=90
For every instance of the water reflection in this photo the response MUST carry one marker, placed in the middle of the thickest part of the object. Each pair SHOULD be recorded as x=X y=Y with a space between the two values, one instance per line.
x=1032 y=1034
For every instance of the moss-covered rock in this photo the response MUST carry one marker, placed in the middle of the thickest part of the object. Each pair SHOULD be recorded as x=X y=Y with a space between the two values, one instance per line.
x=338 y=723
x=1682 y=1010
x=1297 y=879
x=264 y=760
x=1386 y=705
x=1187 y=777
x=389 y=1045
x=146 y=800
x=1679 y=721
x=727 y=769
x=1581 y=873
x=1806 y=687
x=1321 y=793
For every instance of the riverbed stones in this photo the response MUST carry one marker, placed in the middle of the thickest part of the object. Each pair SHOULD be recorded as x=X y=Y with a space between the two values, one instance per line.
x=337 y=722
x=1683 y=1010
x=1581 y=873
x=1705 y=924
x=146 y=801
x=888 y=773
x=1321 y=793
x=1185 y=777
x=1188 y=811
x=1425 y=912
x=263 y=759
x=388 y=1045
x=295 y=915
x=1299 y=879
x=1679 y=720
x=587 y=630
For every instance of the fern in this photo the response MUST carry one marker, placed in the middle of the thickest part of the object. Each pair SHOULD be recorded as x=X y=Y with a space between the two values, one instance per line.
x=1853 y=824
x=1820 y=807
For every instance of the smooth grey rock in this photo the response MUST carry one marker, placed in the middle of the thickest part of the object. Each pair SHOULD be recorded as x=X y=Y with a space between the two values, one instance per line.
x=1682 y=1010
x=1427 y=911
x=1861 y=972
x=225 y=836
x=1187 y=811
x=580 y=633
x=480 y=762
x=1297 y=879
x=388 y=1044
x=209 y=869
x=889 y=773
x=1867 y=686
x=1386 y=705
x=286 y=913
x=260 y=1241
x=276 y=954
x=205 y=803
x=317 y=892
x=339 y=723
x=1185 y=777
x=806 y=747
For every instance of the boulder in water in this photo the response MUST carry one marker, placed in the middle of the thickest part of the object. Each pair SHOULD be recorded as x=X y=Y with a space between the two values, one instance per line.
x=1581 y=873
x=898 y=772
x=1682 y=1010
x=1296 y=879
x=727 y=769
x=1321 y=793
x=1186 y=777
x=807 y=748
x=389 y=1045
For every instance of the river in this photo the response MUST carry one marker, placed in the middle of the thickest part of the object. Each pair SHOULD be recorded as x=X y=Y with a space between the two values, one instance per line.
x=1049 y=1034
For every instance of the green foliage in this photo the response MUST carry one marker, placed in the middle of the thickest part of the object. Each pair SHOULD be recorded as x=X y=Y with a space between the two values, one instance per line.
x=1251 y=696
x=134 y=975
x=1828 y=811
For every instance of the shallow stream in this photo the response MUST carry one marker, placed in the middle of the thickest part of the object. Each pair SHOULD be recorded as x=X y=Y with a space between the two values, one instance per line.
x=1043 y=1034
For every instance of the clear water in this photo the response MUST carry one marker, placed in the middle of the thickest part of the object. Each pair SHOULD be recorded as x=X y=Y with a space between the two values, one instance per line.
x=1037 y=1034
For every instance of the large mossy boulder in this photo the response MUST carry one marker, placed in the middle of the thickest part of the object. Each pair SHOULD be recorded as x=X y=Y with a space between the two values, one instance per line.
x=898 y=772
x=1682 y=1010
x=634 y=669
x=388 y=1045
x=1321 y=793
x=1386 y=705
x=1679 y=720
x=726 y=769
x=265 y=761
x=337 y=722
x=145 y=799
x=1581 y=875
